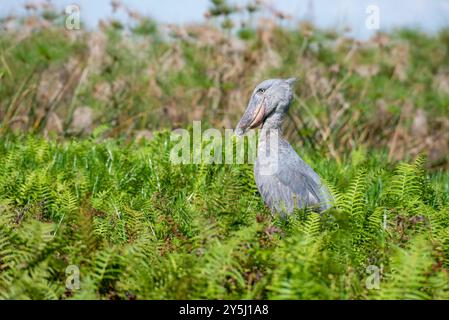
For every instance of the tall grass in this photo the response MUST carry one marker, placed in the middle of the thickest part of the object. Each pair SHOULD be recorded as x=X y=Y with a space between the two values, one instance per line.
x=138 y=76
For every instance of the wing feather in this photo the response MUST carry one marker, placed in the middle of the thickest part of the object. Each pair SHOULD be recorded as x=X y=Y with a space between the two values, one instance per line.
x=293 y=184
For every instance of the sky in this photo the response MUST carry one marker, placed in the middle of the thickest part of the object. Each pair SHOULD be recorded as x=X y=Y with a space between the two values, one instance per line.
x=429 y=15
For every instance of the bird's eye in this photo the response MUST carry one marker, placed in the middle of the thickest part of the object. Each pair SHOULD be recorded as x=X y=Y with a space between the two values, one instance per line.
x=260 y=90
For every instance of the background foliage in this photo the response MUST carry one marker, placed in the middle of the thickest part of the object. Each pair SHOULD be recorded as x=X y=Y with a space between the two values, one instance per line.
x=85 y=176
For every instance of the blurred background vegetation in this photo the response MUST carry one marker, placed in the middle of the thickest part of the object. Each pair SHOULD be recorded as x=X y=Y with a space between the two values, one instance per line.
x=390 y=92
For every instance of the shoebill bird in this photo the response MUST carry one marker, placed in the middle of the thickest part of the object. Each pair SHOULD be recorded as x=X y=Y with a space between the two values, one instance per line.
x=283 y=179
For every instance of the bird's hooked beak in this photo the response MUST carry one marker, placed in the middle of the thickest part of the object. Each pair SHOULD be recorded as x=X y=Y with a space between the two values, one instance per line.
x=252 y=118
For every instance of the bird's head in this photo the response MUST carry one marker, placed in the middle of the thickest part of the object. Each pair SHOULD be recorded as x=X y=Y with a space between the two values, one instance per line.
x=271 y=97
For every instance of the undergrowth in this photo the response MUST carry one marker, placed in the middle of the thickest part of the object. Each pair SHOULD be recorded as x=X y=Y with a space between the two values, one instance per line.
x=138 y=227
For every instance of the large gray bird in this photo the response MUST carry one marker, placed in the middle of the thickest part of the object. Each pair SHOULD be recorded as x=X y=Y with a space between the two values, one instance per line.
x=284 y=180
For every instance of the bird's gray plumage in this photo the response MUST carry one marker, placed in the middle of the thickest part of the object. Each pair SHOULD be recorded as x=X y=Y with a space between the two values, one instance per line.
x=283 y=179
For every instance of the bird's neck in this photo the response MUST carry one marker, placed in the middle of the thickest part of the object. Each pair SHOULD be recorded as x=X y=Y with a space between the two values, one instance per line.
x=273 y=124
x=271 y=137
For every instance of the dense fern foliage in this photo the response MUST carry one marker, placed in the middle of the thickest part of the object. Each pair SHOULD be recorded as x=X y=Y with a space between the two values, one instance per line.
x=138 y=227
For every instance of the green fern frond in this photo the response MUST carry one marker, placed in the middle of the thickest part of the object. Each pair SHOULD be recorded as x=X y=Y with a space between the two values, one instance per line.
x=354 y=199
